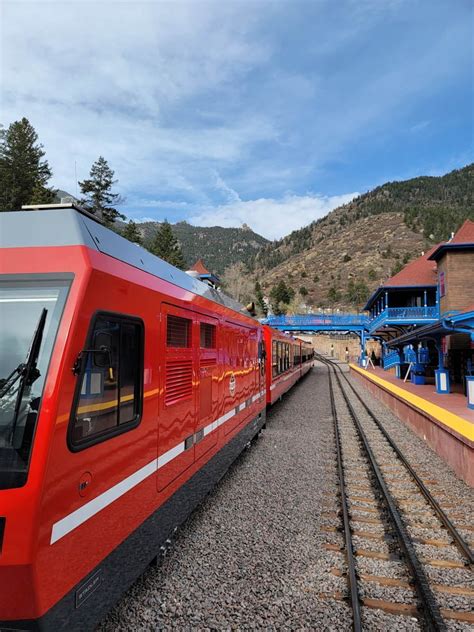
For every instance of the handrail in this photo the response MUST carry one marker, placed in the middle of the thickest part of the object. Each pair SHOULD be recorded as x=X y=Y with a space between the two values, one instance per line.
x=317 y=319
x=430 y=312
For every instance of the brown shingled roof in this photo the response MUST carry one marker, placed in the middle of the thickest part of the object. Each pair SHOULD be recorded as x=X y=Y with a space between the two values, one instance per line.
x=417 y=272
x=465 y=234
x=200 y=267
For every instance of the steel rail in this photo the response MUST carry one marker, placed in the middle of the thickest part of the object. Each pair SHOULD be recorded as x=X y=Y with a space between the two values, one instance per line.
x=351 y=565
x=430 y=610
x=462 y=545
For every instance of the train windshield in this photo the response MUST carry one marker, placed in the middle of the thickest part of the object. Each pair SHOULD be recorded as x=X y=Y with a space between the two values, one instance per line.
x=30 y=312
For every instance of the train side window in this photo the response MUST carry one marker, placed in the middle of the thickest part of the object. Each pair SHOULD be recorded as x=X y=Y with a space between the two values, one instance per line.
x=178 y=332
x=110 y=396
x=208 y=336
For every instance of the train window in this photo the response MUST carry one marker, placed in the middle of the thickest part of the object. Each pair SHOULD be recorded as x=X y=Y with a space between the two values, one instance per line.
x=30 y=313
x=274 y=358
x=110 y=397
x=178 y=332
x=297 y=356
x=208 y=336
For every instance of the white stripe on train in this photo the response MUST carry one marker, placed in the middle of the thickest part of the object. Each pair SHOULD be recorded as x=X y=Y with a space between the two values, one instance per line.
x=91 y=508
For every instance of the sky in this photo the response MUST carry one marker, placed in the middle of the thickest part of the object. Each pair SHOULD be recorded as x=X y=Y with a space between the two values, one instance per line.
x=257 y=112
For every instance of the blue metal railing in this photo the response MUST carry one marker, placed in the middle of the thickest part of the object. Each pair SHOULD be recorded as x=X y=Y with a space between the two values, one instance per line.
x=315 y=320
x=391 y=359
x=407 y=314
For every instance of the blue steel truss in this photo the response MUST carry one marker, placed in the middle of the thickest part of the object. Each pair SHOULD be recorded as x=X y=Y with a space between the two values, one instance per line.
x=354 y=323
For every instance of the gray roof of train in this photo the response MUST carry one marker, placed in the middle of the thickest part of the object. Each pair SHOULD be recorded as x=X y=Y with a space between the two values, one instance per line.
x=69 y=227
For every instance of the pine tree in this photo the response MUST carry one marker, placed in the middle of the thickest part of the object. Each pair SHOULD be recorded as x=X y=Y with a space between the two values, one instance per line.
x=166 y=246
x=132 y=233
x=333 y=295
x=260 y=300
x=97 y=191
x=281 y=295
x=23 y=172
x=357 y=292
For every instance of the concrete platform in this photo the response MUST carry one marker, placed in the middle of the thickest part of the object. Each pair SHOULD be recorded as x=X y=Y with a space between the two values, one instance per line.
x=443 y=421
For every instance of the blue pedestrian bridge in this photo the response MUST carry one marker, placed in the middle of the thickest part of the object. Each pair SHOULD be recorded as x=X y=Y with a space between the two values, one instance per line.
x=356 y=323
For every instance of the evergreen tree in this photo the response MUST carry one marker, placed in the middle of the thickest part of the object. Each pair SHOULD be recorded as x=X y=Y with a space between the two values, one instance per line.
x=281 y=295
x=166 y=246
x=396 y=268
x=23 y=172
x=333 y=295
x=132 y=233
x=357 y=293
x=97 y=191
x=260 y=300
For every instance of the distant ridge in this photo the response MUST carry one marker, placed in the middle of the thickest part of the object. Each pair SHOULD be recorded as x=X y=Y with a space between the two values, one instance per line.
x=219 y=247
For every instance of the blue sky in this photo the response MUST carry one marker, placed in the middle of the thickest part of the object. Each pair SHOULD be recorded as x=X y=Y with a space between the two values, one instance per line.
x=269 y=113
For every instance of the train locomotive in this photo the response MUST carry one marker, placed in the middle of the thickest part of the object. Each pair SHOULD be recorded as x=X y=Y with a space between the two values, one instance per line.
x=127 y=388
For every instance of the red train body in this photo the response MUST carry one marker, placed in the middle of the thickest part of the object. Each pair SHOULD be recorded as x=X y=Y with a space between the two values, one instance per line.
x=288 y=359
x=144 y=385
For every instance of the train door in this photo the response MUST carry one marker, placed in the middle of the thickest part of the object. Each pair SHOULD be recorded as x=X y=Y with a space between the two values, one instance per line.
x=253 y=356
x=208 y=378
x=178 y=401
x=262 y=361
x=239 y=377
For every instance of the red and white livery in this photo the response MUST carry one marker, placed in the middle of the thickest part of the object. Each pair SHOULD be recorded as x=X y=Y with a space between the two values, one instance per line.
x=127 y=388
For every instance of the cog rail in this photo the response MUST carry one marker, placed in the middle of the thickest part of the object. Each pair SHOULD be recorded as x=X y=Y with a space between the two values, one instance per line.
x=429 y=608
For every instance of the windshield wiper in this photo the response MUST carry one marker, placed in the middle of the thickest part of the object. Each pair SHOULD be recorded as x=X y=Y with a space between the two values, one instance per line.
x=7 y=383
x=29 y=373
x=27 y=369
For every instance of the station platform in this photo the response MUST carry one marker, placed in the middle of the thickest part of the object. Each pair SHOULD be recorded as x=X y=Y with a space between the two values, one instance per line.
x=443 y=421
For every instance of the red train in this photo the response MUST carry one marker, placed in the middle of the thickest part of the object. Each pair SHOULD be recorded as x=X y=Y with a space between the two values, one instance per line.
x=127 y=388
x=288 y=360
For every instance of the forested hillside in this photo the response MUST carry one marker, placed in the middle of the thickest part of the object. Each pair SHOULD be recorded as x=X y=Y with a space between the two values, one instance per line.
x=431 y=206
x=218 y=247
x=339 y=259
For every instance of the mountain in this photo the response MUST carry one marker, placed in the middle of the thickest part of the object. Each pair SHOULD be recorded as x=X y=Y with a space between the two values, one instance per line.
x=339 y=259
x=218 y=247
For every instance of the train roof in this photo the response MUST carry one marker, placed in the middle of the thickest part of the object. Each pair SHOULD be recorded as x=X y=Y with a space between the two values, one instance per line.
x=70 y=226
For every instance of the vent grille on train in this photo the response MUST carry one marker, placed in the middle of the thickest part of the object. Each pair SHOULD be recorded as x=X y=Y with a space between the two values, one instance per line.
x=178 y=332
x=179 y=380
x=208 y=336
x=208 y=362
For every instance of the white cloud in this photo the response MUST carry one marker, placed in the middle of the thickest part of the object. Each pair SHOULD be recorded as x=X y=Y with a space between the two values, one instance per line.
x=419 y=127
x=123 y=80
x=198 y=104
x=272 y=218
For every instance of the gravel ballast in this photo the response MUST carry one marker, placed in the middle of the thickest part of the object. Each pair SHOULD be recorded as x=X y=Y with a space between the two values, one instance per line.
x=256 y=554
x=252 y=556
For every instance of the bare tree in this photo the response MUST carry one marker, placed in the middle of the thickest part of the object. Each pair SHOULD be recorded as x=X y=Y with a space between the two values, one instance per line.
x=237 y=282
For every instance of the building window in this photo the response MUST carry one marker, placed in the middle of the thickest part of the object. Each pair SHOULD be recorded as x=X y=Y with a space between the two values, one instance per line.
x=111 y=381
x=442 y=285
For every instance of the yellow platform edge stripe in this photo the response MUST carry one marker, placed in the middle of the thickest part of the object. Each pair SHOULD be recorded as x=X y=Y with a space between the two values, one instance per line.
x=445 y=417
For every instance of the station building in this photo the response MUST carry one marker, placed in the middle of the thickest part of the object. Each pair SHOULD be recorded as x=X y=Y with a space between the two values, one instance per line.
x=424 y=316
x=424 y=319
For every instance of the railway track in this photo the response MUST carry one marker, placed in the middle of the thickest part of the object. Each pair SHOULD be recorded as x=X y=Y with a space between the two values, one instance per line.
x=390 y=518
